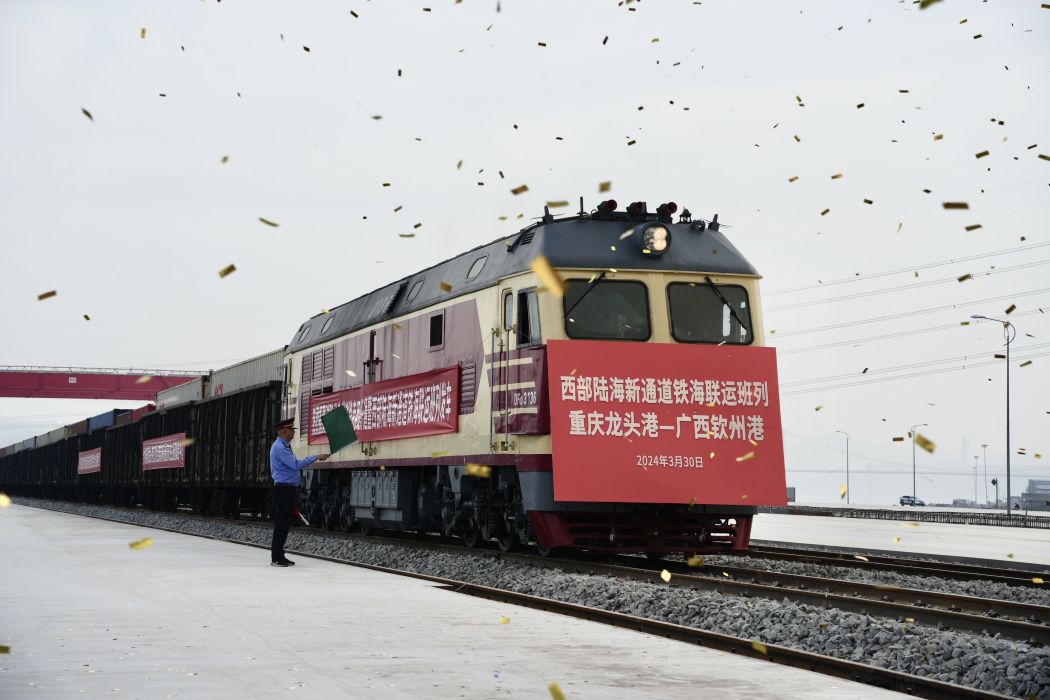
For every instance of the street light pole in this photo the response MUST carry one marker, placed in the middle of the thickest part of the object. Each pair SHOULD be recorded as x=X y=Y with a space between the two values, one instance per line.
x=1009 y=333
x=847 y=463
x=975 y=481
x=985 y=448
x=919 y=425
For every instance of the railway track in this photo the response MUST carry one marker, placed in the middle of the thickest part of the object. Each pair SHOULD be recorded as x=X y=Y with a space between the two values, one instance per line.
x=921 y=567
x=919 y=686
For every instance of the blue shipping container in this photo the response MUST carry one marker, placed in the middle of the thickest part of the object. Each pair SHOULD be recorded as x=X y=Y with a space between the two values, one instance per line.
x=105 y=420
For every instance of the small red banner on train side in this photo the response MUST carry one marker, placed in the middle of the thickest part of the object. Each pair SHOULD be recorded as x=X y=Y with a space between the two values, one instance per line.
x=90 y=461
x=412 y=406
x=168 y=452
x=665 y=423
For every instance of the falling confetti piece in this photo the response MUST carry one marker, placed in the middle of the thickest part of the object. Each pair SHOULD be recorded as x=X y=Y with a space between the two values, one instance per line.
x=818 y=408
x=1011 y=308
x=911 y=524
x=479 y=470
x=351 y=372
x=521 y=189
x=897 y=538
x=1044 y=157
x=46 y=295
x=354 y=14
x=556 y=692
x=225 y=159
x=87 y=114
x=836 y=176
x=86 y=317
x=860 y=556
x=142 y=33
x=141 y=544
x=187 y=442
x=1025 y=363
x=631 y=142
x=792 y=178
x=744 y=458
x=869 y=201
x=898 y=439
x=955 y=205
x=445 y=287
x=504 y=620
x=377 y=117
x=306 y=49
x=797 y=138
x=925 y=443
x=760 y=647
x=604 y=186
x=1009 y=555
x=695 y=562
x=982 y=154
x=442 y=453
x=823 y=213
x=910 y=619
x=726 y=574
x=965 y=277
x=665 y=575
x=1038 y=580
x=228 y=270
x=5 y=649
x=923 y=4
x=5 y=500
x=407 y=235
x=978 y=36
x=860 y=105
x=865 y=371
x=938 y=137
x=558 y=204
x=549 y=277
x=973 y=227
x=842 y=492
x=144 y=379
x=268 y=222
x=540 y=43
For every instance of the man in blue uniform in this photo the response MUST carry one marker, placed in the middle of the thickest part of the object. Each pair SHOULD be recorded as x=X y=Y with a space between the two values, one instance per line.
x=285 y=468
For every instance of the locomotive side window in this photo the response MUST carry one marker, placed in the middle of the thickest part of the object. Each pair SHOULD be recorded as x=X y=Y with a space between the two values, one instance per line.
x=702 y=313
x=414 y=292
x=437 y=331
x=508 y=310
x=606 y=310
x=475 y=269
x=528 y=318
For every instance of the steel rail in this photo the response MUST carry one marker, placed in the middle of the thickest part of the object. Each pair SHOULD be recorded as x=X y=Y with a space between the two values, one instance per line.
x=1016 y=577
x=898 y=681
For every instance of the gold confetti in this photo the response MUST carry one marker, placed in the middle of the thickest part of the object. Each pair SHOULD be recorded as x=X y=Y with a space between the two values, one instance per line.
x=228 y=270
x=141 y=544
x=1025 y=363
x=354 y=14
x=142 y=33
x=982 y=154
x=5 y=649
x=87 y=114
x=187 y=442
x=842 y=491
x=555 y=690
x=760 y=647
x=445 y=287
x=46 y=295
x=823 y=213
x=911 y=524
x=869 y=201
x=925 y=443
x=792 y=178
x=5 y=500
x=1010 y=309
x=744 y=458
x=797 y=138
x=955 y=205
x=407 y=235
x=442 y=453
x=860 y=556
x=1009 y=555
x=836 y=176
x=521 y=189
x=860 y=105
x=743 y=496
x=605 y=186
x=973 y=227
x=965 y=277
x=818 y=408
x=605 y=40
x=923 y=4
x=225 y=159
x=910 y=619
x=351 y=372
x=897 y=538
x=665 y=575
x=938 y=137
x=695 y=562
x=268 y=222
x=504 y=620
x=1044 y=157
x=1037 y=579
x=549 y=277
x=726 y=574
x=865 y=371
x=558 y=204
x=631 y=142
x=541 y=43
x=898 y=439
x=86 y=317
x=144 y=379
x=479 y=470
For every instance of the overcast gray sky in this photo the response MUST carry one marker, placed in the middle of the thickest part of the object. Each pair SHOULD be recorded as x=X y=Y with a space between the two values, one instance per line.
x=130 y=216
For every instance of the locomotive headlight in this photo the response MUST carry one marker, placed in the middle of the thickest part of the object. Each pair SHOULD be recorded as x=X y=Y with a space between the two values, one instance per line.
x=655 y=240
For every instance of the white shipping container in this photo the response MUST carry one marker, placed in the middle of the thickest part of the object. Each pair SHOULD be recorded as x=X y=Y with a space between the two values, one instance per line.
x=193 y=390
x=51 y=437
x=268 y=367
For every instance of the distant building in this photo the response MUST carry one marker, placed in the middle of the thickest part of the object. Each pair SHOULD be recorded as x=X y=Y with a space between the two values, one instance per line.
x=791 y=494
x=1037 y=495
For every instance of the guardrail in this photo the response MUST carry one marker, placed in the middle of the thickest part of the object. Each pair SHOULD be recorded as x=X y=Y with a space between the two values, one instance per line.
x=924 y=516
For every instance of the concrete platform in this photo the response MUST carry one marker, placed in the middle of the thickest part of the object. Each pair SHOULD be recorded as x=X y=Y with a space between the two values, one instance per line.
x=194 y=618
x=973 y=541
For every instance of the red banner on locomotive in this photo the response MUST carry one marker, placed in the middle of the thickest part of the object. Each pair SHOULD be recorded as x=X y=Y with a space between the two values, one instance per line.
x=646 y=423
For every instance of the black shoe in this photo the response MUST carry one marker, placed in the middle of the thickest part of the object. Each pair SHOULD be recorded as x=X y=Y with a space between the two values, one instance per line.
x=280 y=563
x=288 y=562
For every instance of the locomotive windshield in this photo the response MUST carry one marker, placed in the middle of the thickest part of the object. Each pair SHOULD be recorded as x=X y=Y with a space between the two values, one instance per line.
x=704 y=313
x=606 y=310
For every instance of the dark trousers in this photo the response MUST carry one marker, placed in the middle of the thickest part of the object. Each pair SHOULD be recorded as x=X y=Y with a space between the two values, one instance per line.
x=283 y=503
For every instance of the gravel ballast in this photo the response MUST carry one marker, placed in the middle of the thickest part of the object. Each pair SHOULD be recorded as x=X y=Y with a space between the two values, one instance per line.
x=988 y=663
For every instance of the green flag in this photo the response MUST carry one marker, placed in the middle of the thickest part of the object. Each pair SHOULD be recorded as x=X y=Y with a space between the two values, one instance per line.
x=339 y=429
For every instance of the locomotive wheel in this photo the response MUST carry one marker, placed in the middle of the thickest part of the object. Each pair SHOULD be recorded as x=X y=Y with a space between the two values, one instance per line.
x=507 y=542
x=471 y=535
x=546 y=551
